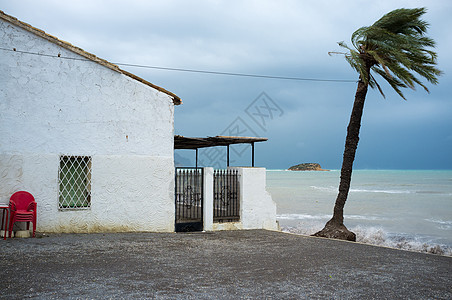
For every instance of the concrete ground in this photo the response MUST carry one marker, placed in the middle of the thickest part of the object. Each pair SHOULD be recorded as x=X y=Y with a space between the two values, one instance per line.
x=252 y=264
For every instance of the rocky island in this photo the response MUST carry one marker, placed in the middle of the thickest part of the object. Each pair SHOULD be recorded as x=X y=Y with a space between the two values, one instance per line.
x=307 y=167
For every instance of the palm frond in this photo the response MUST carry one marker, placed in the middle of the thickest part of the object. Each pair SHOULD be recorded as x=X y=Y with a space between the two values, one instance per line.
x=396 y=48
x=377 y=85
x=395 y=83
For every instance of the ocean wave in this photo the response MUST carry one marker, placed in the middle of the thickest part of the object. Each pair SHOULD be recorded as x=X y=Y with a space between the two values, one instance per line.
x=380 y=191
x=326 y=217
x=325 y=188
x=441 y=224
x=363 y=217
x=302 y=217
x=429 y=192
x=334 y=189
x=379 y=237
x=355 y=190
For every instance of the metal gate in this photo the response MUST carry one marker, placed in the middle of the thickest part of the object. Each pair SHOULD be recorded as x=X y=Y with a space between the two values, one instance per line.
x=189 y=199
x=226 y=191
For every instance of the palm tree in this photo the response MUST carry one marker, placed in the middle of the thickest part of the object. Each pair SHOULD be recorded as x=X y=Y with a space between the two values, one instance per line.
x=394 y=47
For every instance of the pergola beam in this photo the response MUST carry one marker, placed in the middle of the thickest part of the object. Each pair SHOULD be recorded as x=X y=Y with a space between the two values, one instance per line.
x=194 y=143
x=182 y=142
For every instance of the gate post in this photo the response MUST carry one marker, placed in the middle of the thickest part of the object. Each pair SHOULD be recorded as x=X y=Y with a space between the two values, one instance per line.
x=208 y=199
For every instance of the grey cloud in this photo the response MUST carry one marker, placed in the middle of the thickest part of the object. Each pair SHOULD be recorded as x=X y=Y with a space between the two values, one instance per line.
x=285 y=38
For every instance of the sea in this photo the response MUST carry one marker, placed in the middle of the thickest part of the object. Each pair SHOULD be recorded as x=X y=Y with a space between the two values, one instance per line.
x=404 y=209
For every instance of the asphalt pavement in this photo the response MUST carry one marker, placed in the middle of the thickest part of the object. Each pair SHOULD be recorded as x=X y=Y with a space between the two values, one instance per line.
x=250 y=264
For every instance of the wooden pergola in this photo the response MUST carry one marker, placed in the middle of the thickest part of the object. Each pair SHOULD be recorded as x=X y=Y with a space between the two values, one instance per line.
x=194 y=143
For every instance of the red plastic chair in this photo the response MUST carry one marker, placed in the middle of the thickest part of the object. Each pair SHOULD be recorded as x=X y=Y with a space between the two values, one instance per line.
x=22 y=207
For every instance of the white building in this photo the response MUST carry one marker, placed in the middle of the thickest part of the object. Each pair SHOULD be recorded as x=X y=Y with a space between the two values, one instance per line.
x=93 y=143
x=64 y=112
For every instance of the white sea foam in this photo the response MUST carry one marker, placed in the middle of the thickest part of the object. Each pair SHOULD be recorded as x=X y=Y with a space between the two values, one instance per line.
x=325 y=188
x=335 y=190
x=326 y=217
x=302 y=217
x=379 y=237
x=441 y=224
x=304 y=228
x=365 y=217
x=380 y=191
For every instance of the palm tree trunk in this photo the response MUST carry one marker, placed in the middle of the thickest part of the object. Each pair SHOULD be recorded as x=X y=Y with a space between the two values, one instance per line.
x=351 y=143
x=335 y=227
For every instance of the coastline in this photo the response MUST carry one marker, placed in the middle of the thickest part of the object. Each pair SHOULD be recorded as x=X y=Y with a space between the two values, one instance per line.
x=368 y=244
x=390 y=208
x=441 y=250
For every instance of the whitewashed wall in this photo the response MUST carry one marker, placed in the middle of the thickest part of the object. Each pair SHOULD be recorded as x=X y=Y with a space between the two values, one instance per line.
x=51 y=107
x=257 y=208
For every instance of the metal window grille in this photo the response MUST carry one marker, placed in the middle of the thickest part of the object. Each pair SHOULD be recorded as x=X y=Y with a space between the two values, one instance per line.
x=226 y=203
x=74 y=181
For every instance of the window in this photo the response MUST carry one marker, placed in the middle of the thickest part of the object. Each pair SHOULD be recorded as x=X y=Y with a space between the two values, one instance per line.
x=74 y=181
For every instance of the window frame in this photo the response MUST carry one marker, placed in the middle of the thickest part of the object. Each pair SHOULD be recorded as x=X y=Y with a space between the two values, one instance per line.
x=74 y=182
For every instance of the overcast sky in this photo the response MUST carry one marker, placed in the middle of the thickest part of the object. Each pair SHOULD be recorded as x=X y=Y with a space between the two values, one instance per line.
x=305 y=121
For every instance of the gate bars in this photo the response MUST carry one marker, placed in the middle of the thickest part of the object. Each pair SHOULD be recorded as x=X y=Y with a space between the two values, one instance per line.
x=226 y=202
x=189 y=199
